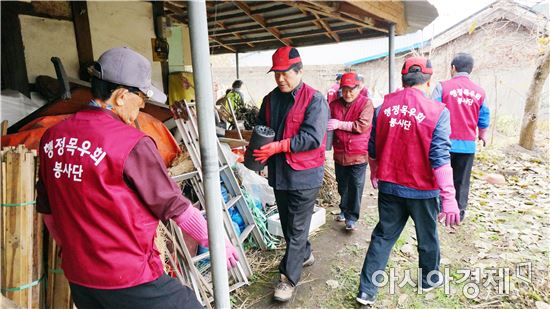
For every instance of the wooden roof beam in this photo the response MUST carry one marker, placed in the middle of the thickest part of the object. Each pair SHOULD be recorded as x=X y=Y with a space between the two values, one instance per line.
x=312 y=33
x=236 y=34
x=257 y=18
x=324 y=10
x=220 y=43
x=325 y=26
x=389 y=11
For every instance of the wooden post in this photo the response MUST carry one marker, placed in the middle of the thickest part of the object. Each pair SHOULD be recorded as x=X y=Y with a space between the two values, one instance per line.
x=83 y=37
x=59 y=293
x=4 y=127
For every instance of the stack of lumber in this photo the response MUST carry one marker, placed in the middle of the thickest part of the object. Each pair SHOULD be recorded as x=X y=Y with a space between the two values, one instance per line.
x=21 y=230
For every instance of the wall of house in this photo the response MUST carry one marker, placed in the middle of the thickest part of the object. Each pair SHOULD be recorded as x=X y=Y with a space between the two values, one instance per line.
x=116 y=24
x=112 y=24
x=44 y=38
x=505 y=59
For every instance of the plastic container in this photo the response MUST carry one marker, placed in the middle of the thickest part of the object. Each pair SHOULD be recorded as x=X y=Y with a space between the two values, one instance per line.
x=318 y=219
x=261 y=135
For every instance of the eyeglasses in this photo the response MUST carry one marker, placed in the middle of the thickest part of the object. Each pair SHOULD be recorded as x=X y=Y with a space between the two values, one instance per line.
x=141 y=95
x=138 y=92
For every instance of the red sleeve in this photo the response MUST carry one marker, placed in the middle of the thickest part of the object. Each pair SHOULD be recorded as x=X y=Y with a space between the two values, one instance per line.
x=145 y=172
x=364 y=122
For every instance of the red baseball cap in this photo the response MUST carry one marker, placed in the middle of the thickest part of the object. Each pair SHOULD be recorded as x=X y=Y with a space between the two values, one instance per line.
x=284 y=58
x=349 y=80
x=424 y=64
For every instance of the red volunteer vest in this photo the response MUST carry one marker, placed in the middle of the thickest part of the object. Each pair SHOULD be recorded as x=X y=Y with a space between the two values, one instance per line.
x=348 y=142
x=404 y=130
x=463 y=98
x=107 y=233
x=302 y=160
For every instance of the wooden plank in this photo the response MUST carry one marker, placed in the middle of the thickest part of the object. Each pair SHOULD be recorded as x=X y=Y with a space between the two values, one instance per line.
x=83 y=37
x=59 y=293
x=390 y=11
x=17 y=227
x=4 y=127
x=323 y=9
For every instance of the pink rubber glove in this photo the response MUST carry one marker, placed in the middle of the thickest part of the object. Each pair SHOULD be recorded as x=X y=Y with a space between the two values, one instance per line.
x=482 y=135
x=449 y=206
x=50 y=224
x=193 y=224
x=332 y=124
x=373 y=170
x=345 y=126
x=335 y=124
x=270 y=149
x=231 y=254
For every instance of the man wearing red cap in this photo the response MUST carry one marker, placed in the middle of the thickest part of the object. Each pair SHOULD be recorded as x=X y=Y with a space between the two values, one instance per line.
x=466 y=102
x=351 y=121
x=410 y=166
x=298 y=114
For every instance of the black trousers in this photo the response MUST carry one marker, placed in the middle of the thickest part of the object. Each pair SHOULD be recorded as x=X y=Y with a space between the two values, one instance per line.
x=351 y=182
x=394 y=212
x=165 y=292
x=295 y=211
x=462 y=170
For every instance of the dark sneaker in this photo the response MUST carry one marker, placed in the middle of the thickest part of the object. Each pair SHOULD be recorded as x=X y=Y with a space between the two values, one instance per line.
x=365 y=299
x=340 y=218
x=283 y=290
x=310 y=260
x=350 y=225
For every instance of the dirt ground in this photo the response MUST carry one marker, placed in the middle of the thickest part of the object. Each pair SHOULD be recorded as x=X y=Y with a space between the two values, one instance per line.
x=498 y=257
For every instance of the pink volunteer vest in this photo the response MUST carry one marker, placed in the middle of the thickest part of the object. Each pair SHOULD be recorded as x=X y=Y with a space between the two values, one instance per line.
x=302 y=160
x=463 y=98
x=107 y=233
x=349 y=142
x=404 y=130
x=332 y=93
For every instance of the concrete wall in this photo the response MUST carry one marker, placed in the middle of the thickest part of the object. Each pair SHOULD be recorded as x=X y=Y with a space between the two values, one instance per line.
x=505 y=59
